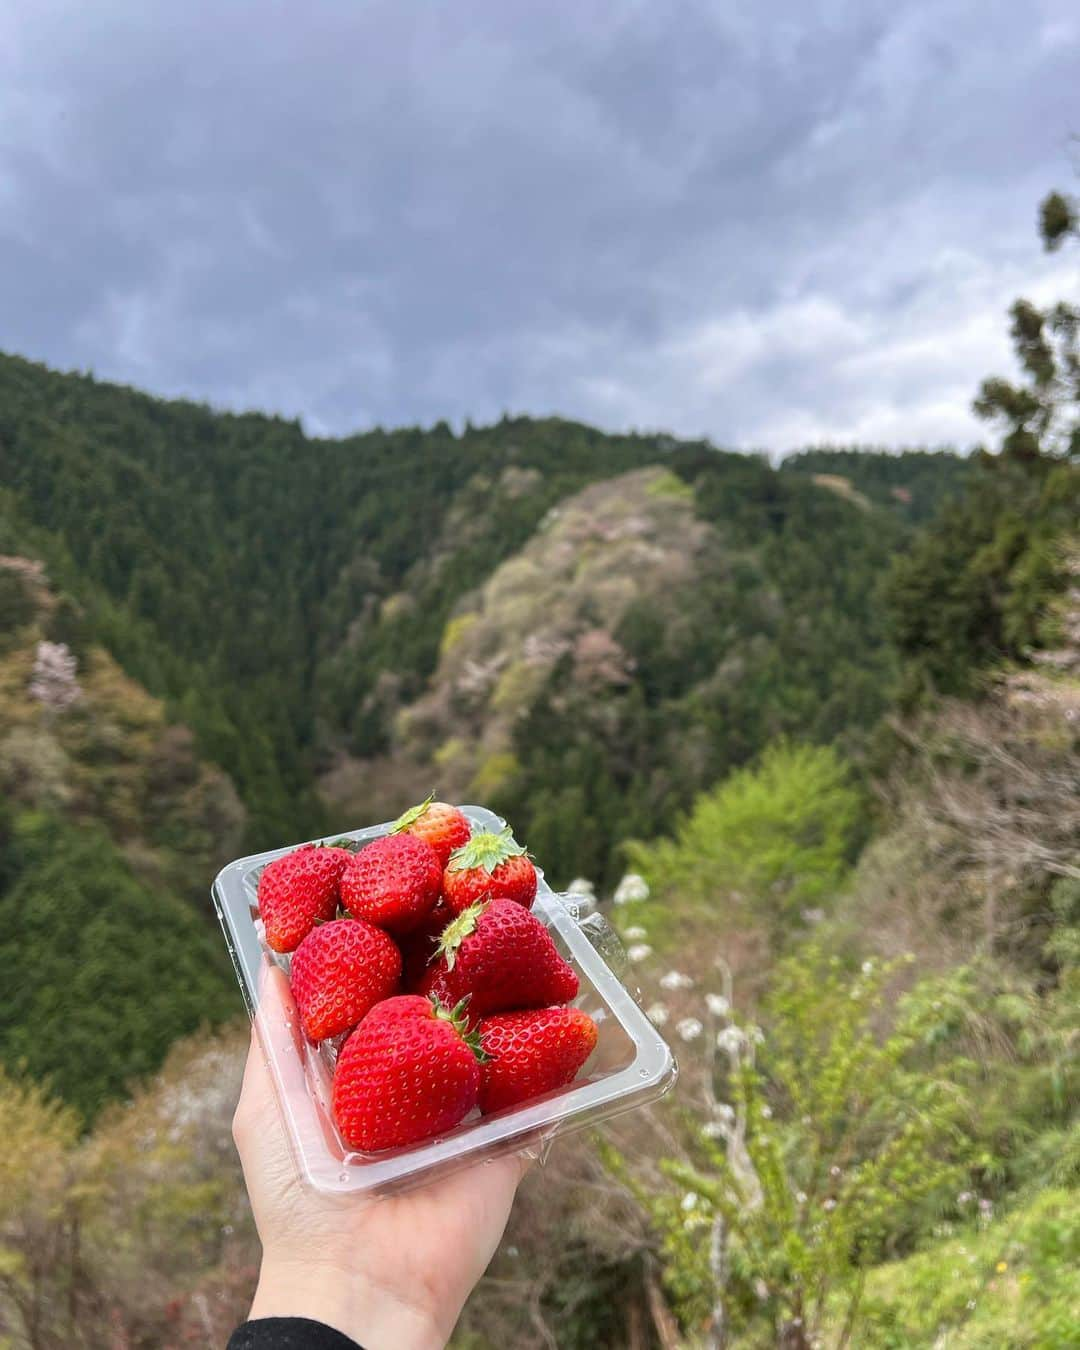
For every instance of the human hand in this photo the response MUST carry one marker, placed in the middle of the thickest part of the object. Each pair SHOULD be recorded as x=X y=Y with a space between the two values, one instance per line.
x=392 y=1273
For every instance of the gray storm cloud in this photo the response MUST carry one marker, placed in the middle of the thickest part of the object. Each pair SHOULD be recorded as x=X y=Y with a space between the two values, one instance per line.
x=800 y=224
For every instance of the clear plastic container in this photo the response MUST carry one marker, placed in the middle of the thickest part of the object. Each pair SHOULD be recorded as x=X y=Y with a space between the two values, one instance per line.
x=631 y=1064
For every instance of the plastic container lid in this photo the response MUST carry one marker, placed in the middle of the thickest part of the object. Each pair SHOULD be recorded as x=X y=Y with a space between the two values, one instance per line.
x=630 y=1066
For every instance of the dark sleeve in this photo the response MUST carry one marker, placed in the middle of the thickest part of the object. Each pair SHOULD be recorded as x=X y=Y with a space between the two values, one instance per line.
x=288 y=1333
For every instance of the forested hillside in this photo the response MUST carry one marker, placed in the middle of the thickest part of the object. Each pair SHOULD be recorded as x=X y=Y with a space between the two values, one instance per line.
x=109 y=826
x=289 y=597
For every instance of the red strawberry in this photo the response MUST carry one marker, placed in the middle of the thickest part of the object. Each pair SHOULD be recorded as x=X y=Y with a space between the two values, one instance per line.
x=418 y=948
x=500 y=956
x=439 y=824
x=410 y=1070
x=530 y=1053
x=299 y=890
x=339 y=972
x=393 y=882
x=489 y=864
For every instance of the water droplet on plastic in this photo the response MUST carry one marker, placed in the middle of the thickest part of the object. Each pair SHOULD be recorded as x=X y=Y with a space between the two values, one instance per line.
x=343 y=1176
x=643 y=1073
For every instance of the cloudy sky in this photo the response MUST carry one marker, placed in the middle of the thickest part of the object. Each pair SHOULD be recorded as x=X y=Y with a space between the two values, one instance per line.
x=770 y=224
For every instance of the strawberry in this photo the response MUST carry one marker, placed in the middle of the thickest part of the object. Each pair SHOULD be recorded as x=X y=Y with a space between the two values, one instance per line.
x=418 y=948
x=339 y=972
x=488 y=865
x=500 y=956
x=299 y=890
x=393 y=882
x=410 y=1070
x=530 y=1053
x=439 y=824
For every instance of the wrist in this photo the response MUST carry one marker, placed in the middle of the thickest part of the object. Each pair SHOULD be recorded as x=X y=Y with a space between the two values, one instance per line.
x=348 y=1301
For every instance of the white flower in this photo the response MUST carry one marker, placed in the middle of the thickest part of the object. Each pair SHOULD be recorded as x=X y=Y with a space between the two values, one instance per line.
x=657 y=1014
x=828 y=1205
x=631 y=888
x=834 y=1171
x=800 y=1197
x=731 y=1040
x=766 y=1112
x=580 y=886
x=689 y=1028
x=712 y=1129
x=636 y=933
x=675 y=979
x=52 y=681
x=964 y=1198
x=725 y=1113
x=717 y=1004
x=641 y=951
x=756 y=1035
x=761 y=1289
x=868 y=967
x=689 y=1202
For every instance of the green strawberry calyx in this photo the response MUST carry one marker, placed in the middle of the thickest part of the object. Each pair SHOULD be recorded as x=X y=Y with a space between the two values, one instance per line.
x=304 y=849
x=457 y=930
x=485 y=850
x=457 y=1018
x=412 y=815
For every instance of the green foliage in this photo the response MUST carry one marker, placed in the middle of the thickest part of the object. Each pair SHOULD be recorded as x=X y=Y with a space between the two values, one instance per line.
x=669 y=485
x=976 y=587
x=1041 y=418
x=837 y=1141
x=718 y=660
x=586 y=1302
x=1059 y=217
x=111 y=757
x=1015 y=1282
x=17 y=607
x=914 y=484
x=1018 y=1045
x=771 y=841
x=101 y=974
x=815 y=637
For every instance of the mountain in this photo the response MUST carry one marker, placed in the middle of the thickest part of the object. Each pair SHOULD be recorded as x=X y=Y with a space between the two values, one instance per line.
x=296 y=601
x=110 y=825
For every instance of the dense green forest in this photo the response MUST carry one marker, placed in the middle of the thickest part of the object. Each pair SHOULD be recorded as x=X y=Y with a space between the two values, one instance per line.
x=288 y=596
x=827 y=712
